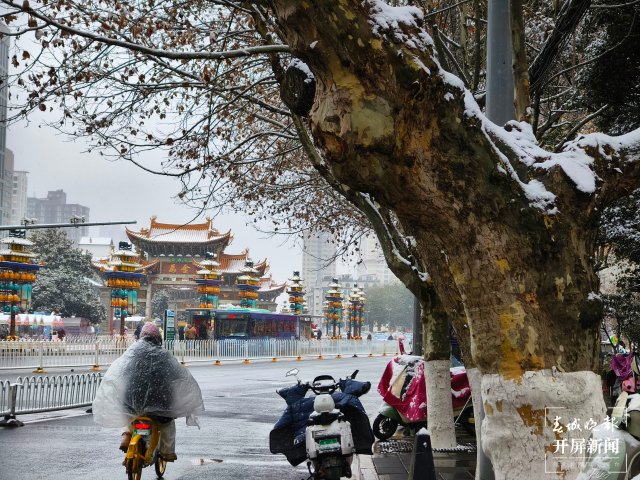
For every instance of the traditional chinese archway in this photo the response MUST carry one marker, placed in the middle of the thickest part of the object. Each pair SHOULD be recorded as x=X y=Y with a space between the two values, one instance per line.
x=174 y=254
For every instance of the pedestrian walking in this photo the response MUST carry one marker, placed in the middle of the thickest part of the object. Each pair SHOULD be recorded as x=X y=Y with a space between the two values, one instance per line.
x=190 y=333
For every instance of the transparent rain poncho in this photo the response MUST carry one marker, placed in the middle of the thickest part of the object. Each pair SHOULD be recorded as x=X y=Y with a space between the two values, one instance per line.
x=146 y=380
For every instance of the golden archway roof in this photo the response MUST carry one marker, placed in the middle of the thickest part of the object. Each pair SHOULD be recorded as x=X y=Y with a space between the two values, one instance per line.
x=194 y=239
x=234 y=263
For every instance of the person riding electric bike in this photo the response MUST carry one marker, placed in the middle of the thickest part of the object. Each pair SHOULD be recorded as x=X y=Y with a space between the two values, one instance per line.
x=148 y=381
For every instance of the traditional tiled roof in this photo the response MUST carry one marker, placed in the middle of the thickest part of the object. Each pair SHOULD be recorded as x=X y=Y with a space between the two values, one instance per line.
x=234 y=263
x=268 y=285
x=16 y=241
x=184 y=240
x=175 y=233
x=105 y=265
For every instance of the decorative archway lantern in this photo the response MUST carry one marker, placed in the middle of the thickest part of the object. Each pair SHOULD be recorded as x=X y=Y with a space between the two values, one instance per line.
x=18 y=269
x=208 y=280
x=248 y=284
x=296 y=294
x=334 y=307
x=352 y=310
x=359 y=314
x=122 y=276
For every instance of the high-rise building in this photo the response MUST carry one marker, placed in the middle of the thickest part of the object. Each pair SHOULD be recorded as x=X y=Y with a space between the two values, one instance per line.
x=55 y=209
x=7 y=187
x=5 y=181
x=318 y=268
x=18 y=197
x=373 y=262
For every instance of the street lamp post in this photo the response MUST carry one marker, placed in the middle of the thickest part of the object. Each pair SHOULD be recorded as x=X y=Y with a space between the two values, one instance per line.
x=388 y=309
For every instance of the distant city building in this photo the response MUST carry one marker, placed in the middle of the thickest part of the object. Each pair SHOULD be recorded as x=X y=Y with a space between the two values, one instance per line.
x=55 y=209
x=373 y=263
x=5 y=178
x=98 y=247
x=318 y=268
x=7 y=187
x=18 y=197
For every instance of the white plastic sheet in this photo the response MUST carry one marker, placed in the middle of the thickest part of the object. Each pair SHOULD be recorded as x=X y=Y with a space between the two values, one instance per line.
x=146 y=380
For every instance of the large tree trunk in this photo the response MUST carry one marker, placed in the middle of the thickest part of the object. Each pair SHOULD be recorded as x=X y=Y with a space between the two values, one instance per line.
x=437 y=355
x=393 y=125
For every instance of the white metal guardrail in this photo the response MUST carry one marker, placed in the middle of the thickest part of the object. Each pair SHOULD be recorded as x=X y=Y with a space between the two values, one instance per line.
x=46 y=394
x=77 y=352
x=43 y=394
x=102 y=351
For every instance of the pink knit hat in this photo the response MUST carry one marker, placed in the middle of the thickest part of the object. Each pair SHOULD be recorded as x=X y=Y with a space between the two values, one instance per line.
x=150 y=330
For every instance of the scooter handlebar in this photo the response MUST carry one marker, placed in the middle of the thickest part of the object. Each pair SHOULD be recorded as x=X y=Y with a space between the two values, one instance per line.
x=323 y=384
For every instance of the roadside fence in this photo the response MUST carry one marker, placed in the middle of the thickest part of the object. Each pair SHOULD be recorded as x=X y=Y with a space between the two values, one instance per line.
x=97 y=352
x=46 y=394
x=75 y=352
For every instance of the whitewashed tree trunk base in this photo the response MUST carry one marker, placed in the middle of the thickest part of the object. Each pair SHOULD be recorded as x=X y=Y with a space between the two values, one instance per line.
x=517 y=431
x=439 y=407
x=483 y=465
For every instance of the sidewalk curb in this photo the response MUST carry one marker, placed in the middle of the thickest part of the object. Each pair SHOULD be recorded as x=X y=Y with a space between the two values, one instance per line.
x=367 y=470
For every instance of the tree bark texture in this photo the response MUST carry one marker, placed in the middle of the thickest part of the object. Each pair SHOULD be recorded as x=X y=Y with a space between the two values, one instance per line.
x=394 y=126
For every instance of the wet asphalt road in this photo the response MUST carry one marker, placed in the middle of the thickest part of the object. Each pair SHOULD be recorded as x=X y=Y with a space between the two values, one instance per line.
x=241 y=407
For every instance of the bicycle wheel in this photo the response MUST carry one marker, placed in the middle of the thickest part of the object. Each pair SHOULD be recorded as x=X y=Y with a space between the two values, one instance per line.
x=333 y=473
x=161 y=466
x=134 y=465
x=384 y=427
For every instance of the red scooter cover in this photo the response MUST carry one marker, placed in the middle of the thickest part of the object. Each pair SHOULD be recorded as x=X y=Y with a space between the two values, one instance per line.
x=403 y=387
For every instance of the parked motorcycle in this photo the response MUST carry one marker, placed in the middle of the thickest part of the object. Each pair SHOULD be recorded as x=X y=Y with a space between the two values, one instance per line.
x=143 y=448
x=327 y=429
x=403 y=391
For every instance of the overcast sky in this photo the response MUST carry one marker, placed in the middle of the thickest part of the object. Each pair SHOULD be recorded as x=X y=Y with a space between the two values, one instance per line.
x=120 y=191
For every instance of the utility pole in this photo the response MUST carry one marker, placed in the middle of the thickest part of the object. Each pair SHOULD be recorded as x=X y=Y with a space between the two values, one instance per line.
x=500 y=108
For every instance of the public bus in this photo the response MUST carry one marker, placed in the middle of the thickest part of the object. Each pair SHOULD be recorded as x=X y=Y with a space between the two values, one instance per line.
x=241 y=323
